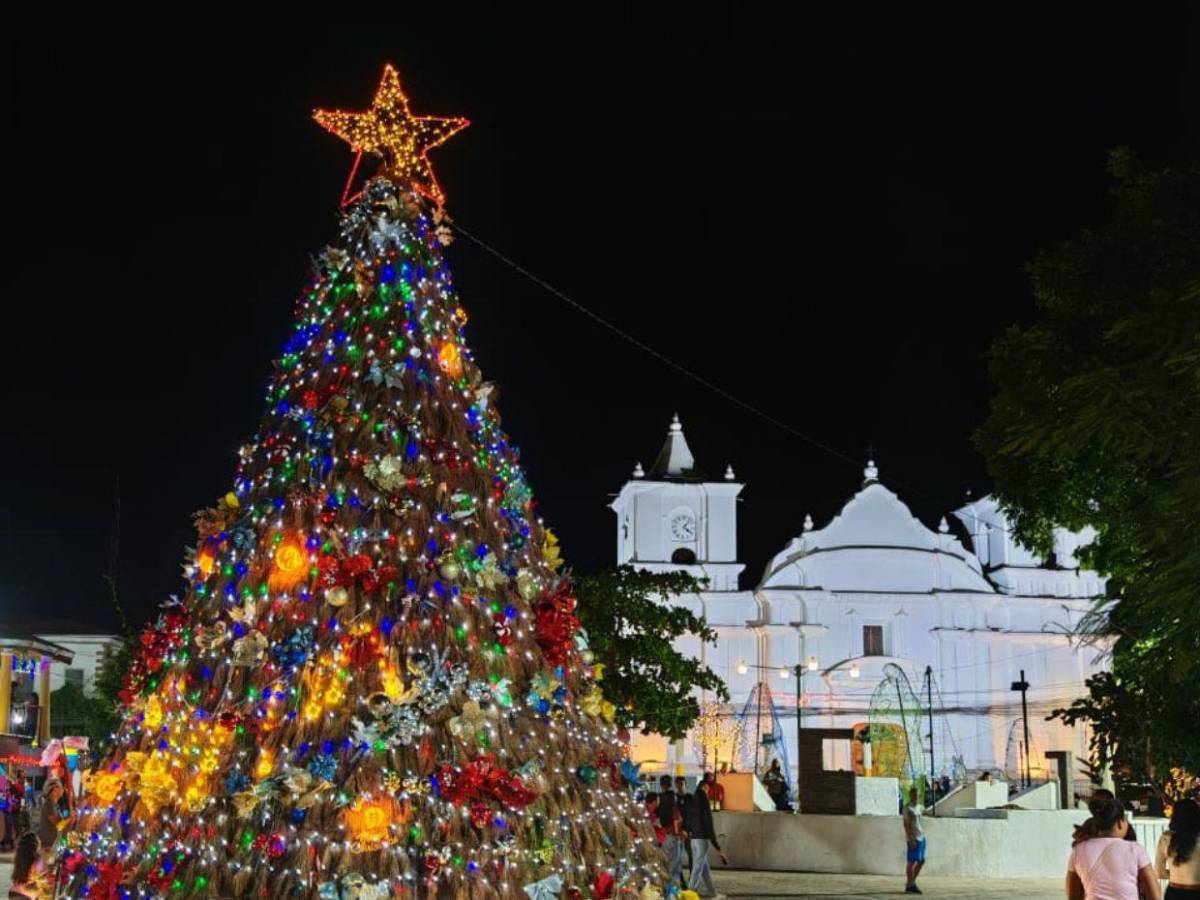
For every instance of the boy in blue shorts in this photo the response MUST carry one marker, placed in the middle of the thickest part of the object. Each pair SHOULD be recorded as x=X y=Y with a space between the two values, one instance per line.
x=914 y=836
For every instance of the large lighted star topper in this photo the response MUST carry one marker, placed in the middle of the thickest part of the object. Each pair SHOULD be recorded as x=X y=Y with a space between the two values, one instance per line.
x=389 y=130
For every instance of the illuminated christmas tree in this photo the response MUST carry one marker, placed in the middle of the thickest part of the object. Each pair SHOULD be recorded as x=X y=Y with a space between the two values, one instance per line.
x=376 y=684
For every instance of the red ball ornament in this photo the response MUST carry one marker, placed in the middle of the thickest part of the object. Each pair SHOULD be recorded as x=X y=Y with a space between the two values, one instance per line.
x=277 y=847
x=480 y=815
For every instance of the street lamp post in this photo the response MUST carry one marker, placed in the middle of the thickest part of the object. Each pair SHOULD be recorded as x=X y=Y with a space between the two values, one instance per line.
x=799 y=726
x=758 y=725
x=799 y=671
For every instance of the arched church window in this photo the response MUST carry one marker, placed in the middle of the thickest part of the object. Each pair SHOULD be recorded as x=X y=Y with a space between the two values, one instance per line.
x=683 y=557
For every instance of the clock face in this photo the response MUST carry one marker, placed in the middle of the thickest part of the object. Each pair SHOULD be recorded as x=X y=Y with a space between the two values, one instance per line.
x=683 y=527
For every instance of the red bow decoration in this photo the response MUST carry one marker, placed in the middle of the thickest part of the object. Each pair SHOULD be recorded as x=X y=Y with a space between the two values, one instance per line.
x=157 y=642
x=481 y=780
x=557 y=623
x=158 y=880
x=73 y=861
x=362 y=650
x=603 y=888
x=107 y=882
x=355 y=571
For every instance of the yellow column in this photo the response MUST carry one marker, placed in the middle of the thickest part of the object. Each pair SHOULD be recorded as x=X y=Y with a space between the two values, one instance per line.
x=5 y=692
x=43 y=730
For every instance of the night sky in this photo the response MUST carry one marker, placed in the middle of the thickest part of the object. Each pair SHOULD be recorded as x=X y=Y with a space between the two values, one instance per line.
x=827 y=217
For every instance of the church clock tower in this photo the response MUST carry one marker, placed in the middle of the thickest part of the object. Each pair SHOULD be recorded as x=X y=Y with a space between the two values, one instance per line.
x=674 y=518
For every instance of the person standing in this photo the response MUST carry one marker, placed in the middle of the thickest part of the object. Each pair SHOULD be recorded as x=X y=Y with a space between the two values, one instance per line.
x=670 y=819
x=56 y=811
x=7 y=838
x=30 y=876
x=776 y=785
x=32 y=714
x=698 y=823
x=1107 y=866
x=914 y=836
x=1177 y=858
x=716 y=791
x=684 y=799
x=660 y=833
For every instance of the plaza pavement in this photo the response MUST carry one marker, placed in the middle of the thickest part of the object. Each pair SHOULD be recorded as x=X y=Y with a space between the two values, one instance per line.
x=747 y=885
x=744 y=885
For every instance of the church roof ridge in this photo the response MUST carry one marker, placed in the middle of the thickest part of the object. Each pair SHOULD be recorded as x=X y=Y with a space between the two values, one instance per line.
x=871 y=527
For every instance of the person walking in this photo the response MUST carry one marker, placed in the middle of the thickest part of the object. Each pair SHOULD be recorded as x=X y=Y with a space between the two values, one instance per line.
x=684 y=799
x=1107 y=866
x=914 y=836
x=670 y=819
x=1177 y=859
x=698 y=823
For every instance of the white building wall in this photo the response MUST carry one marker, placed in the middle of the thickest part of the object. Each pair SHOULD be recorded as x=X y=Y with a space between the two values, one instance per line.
x=881 y=567
x=90 y=652
x=976 y=614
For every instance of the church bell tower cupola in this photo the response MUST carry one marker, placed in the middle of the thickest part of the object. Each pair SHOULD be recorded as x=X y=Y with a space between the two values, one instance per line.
x=674 y=517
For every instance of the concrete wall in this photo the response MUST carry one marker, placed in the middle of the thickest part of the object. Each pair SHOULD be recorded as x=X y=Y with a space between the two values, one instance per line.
x=976 y=795
x=876 y=796
x=1042 y=796
x=1025 y=844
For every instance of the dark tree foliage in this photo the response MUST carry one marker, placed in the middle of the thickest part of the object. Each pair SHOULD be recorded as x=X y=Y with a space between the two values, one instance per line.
x=630 y=629
x=96 y=715
x=1096 y=421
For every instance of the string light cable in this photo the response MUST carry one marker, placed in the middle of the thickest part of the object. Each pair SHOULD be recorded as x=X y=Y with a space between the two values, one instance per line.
x=687 y=372
x=664 y=359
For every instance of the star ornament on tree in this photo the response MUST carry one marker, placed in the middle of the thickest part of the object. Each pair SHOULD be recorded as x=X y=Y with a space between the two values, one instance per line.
x=389 y=130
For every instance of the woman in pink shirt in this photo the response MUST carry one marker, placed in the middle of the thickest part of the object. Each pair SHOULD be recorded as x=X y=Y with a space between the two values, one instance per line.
x=1108 y=867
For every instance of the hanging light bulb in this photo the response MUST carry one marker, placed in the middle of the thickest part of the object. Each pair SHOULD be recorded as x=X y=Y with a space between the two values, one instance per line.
x=812 y=664
x=742 y=668
x=854 y=670
x=785 y=672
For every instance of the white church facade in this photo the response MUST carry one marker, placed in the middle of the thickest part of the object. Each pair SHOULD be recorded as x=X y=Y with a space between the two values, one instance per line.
x=844 y=604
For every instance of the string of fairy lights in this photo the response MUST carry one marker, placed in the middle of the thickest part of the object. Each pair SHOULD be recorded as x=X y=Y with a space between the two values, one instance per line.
x=376 y=684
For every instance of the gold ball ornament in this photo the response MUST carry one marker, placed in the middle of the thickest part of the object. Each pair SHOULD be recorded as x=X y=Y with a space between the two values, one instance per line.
x=337 y=596
x=450 y=568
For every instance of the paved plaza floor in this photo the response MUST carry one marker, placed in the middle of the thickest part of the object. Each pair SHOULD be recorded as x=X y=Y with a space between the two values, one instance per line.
x=777 y=885
x=746 y=885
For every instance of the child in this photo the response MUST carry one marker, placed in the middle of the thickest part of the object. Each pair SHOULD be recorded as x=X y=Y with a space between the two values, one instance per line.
x=914 y=836
x=29 y=874
x=660 y=833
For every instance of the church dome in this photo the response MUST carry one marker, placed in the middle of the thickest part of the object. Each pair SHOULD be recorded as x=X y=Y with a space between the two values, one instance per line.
x=876 y=544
